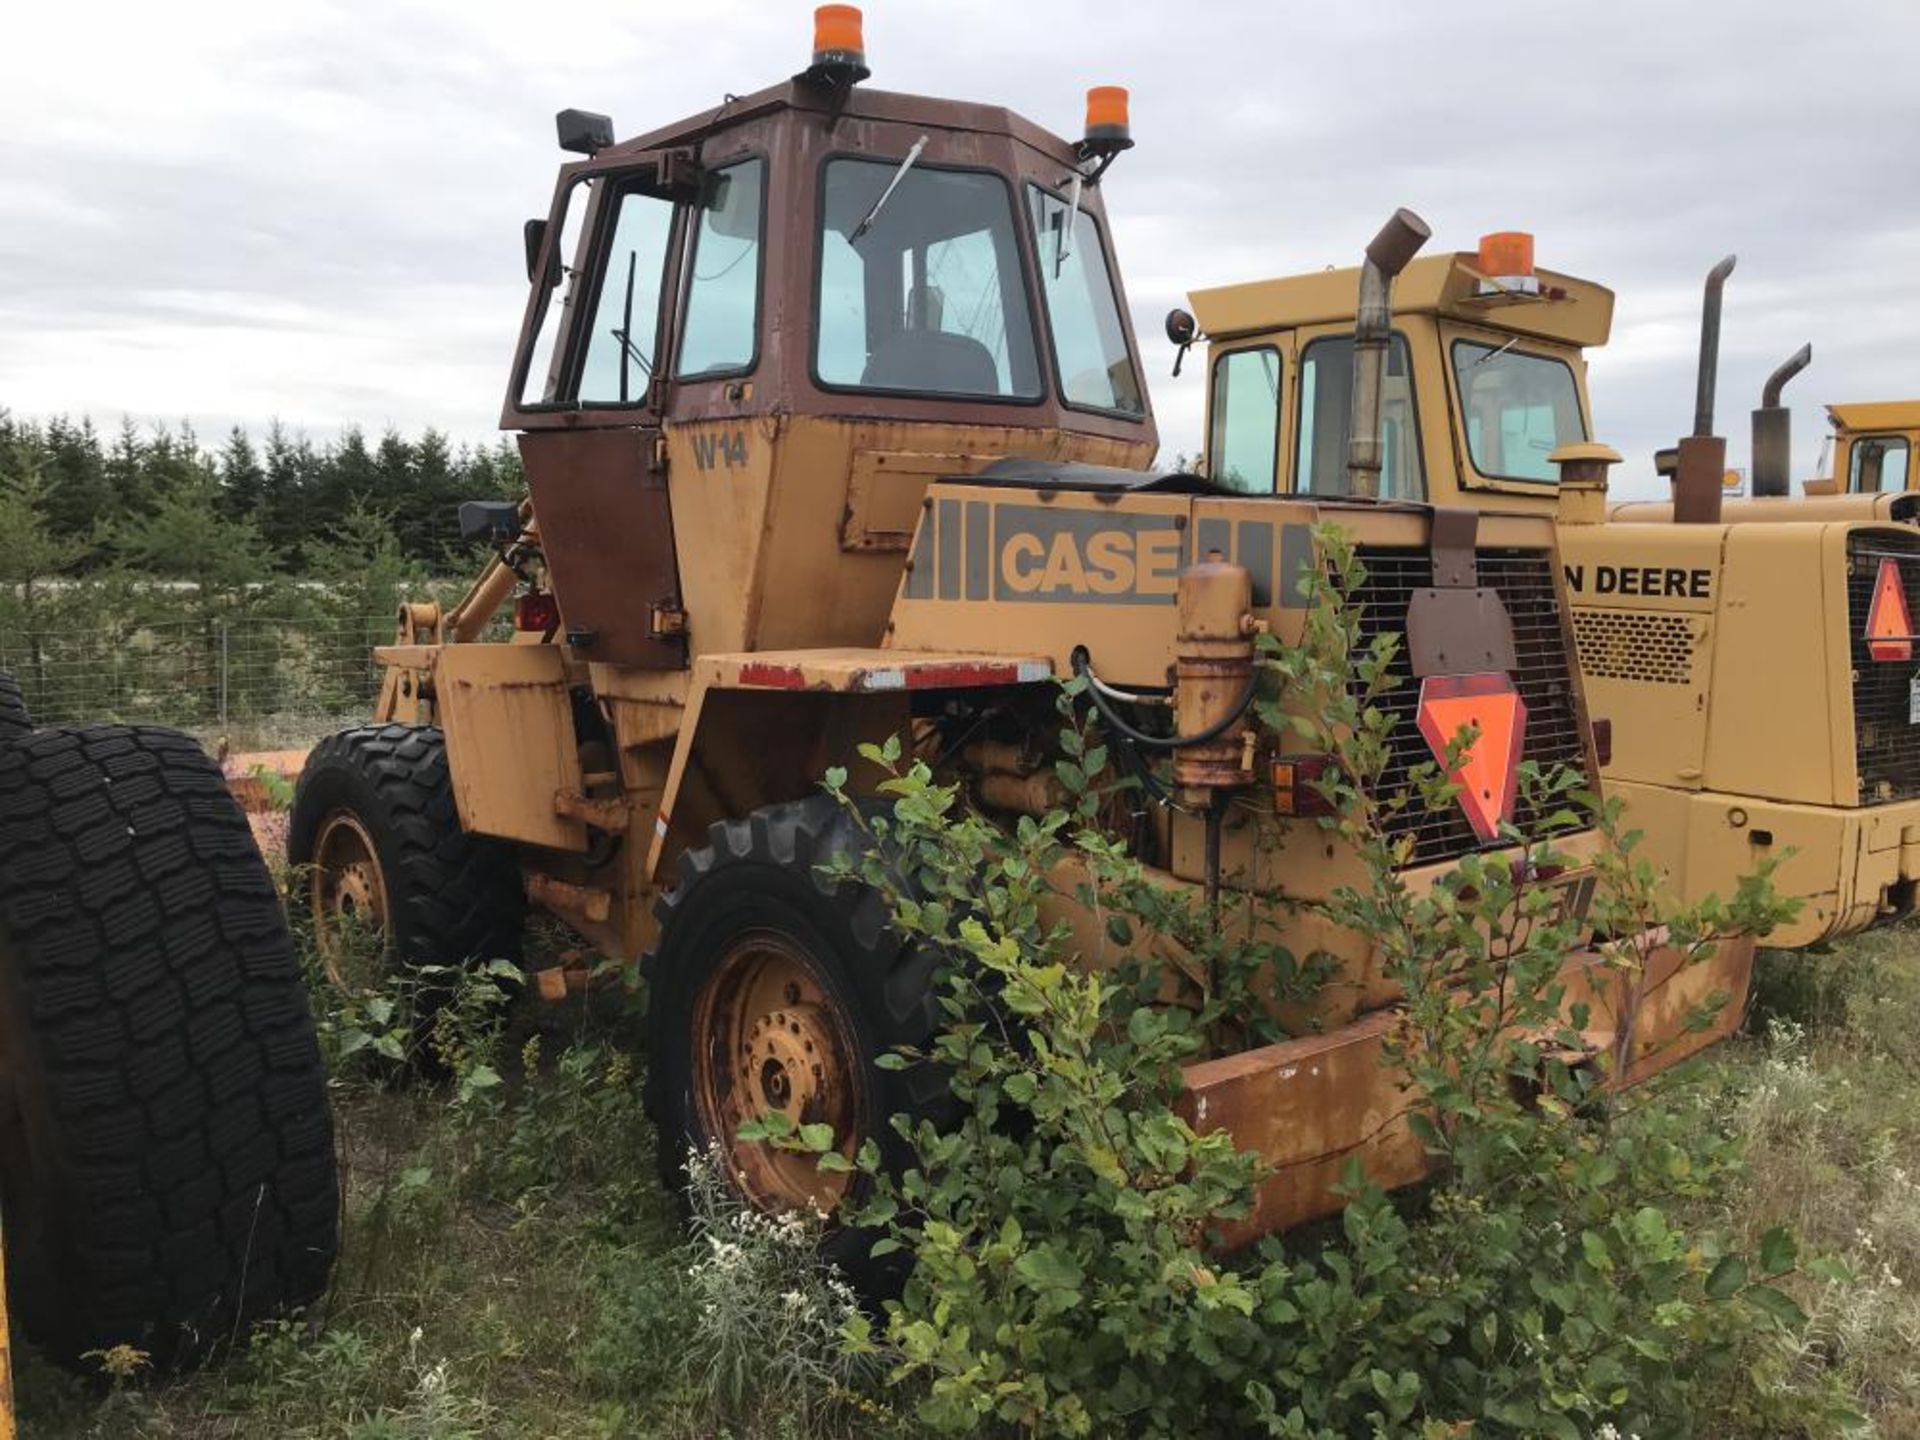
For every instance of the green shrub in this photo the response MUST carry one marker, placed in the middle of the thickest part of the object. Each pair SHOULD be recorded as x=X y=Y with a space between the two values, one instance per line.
x=1546 y=1283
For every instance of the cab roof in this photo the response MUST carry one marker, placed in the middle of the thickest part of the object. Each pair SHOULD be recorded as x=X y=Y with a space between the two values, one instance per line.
x=1876 y=415
x=1576 y=312
x=860 y=103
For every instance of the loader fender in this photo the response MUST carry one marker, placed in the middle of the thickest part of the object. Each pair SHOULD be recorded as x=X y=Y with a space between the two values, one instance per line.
x=763 y=728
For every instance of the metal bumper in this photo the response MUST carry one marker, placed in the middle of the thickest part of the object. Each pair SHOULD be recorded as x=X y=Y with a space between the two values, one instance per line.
x=1851 y=867
x=1309 y=1106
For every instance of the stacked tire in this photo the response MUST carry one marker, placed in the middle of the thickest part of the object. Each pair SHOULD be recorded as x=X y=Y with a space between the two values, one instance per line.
x=167 y=1166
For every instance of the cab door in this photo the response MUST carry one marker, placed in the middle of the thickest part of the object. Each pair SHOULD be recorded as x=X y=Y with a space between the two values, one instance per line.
x=588 y=388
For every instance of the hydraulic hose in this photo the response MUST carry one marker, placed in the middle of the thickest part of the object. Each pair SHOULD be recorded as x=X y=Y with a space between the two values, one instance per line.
x=1083 y=666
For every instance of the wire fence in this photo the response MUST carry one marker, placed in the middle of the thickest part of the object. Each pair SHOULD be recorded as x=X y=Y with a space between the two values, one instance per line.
x=258 y=682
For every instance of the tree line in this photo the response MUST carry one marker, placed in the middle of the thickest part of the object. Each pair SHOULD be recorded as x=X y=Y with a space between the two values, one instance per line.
x=276 y=497
x=129 y=562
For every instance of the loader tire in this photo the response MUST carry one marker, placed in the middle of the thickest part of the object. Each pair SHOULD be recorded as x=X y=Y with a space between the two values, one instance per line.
x=766 y=964
x=166 y=1152
x=440 y=896
x=15 y=718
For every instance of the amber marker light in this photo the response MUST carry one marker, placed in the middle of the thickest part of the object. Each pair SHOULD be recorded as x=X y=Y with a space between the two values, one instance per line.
x=1506 y=259
x=1107 y=115
x=839 y=48
x=836 y=36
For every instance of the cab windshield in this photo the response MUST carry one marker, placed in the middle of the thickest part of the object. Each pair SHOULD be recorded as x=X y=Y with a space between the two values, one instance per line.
x=925 y=292
x=1090 y=354
x=1516 y=410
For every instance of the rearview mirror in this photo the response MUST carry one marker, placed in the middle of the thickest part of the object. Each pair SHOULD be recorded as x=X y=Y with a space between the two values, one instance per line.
x=1181 y=326
x=533 y=234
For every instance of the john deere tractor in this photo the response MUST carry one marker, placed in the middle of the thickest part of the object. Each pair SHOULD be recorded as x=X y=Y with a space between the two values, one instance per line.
x=833 y=429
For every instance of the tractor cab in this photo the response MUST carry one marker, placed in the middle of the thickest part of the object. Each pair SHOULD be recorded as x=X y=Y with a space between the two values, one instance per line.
x=787 y=315
x=1871 y=449
x=1682 y=630
x=1486 y=378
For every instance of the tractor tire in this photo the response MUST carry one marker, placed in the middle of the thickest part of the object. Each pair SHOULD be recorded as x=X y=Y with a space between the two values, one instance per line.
x=766 y=969
x=15 y=718
x=380 y=798
x=166 y=1151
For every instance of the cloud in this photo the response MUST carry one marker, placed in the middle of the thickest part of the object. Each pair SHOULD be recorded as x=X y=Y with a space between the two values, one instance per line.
x=229 y=211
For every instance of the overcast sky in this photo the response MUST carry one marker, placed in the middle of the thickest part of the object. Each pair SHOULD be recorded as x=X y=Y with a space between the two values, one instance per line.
x=233 y=211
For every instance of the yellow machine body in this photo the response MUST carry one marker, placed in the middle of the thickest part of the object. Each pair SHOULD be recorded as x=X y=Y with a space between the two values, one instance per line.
x=1750 y=718
x=752 y=573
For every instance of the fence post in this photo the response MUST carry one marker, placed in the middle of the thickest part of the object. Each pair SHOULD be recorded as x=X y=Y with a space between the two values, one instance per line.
x=223 y=675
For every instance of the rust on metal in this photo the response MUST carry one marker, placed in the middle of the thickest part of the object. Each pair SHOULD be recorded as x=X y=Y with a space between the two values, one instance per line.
x=607 y=534
x=602 y=812
x=769 y=1038
x=347 y=896
x=1213 y=666
x=1697 y=483
x=589 y=902
x=1457 y=626
x=1309 y=1106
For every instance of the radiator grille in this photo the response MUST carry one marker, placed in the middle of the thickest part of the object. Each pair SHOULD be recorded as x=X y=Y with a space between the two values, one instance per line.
x=1524 y=580
x=1886 y=744
x=1648 y=646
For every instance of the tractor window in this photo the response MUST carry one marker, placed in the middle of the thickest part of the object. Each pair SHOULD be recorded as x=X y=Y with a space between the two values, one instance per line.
x=626 y=314
x=559 y=289
x=1243 y=440
x=1517 y=409
x=1879 y=464
x=1092 y=364
x=929 y=298
x=723 y=293
x=1326 y=418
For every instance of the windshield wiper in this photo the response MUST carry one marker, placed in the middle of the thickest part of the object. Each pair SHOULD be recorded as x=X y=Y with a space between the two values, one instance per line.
x=1494 y=354
x=624 y=334
x=887 y=194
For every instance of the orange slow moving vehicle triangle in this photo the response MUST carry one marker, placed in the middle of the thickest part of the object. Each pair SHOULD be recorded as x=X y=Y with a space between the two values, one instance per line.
x=1489 y=772
x=1889 y=622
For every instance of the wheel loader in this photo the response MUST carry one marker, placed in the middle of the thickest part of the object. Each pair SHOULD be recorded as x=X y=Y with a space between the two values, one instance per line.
x=834 y=430
x=166 y=1149
x=1756 y=685
x=1871 y=449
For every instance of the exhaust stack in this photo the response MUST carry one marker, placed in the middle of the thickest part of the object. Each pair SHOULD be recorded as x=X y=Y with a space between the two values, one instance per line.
x=1773 y=429
x=1398 y=242
x=1701 y=465
x=1709 y=373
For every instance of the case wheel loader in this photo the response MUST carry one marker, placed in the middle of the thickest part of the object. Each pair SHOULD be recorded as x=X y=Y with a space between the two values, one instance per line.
x=167 y=1169
x=833 y=428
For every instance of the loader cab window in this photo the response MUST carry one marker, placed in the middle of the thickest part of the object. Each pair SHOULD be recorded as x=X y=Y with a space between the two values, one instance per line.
x=1093 y=366
x=624 y=336
x=1516 y=409
x=721 y=325
x=560 y=290
x=1243 y=436
x=1326 y=418
x=1878 y=465
x=929 y=297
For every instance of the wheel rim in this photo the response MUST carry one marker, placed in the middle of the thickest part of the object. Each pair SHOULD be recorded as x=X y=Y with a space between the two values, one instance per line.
x=347 y=896
x=768 y=1037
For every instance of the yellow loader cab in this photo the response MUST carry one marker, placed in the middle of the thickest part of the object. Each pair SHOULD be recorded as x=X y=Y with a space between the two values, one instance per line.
x=1755 y=685
x=1871 y=450
x=1866 y=464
